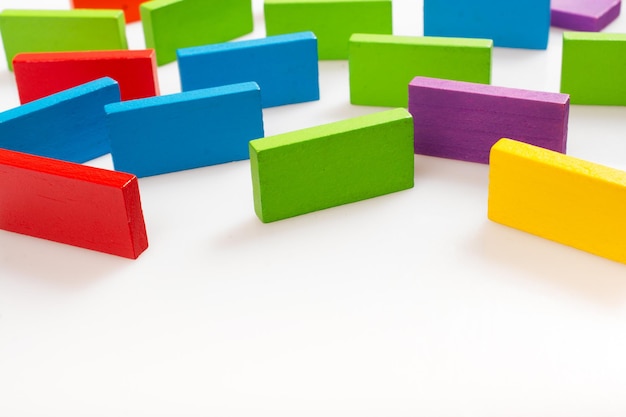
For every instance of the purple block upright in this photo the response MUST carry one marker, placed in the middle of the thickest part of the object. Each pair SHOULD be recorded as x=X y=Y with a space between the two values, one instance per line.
x=461 y=120
x=584 y=15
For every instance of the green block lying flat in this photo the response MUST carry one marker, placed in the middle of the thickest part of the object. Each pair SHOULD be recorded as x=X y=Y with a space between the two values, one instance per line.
x=332 y=21
x=594 y=67
x=329 y=165
x=381 y=66
x=172 y=24
x=61 y=30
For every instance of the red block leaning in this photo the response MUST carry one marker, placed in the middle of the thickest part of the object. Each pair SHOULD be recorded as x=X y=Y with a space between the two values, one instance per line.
x=40 y=74
x=71 y=203
x=130 y=7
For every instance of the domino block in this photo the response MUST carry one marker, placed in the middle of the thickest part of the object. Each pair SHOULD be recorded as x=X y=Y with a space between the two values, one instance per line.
x=557 y=197
x=326 y=166
x=381 y=66
x=584 y=15
x=40 y=74
x=130 y=7
x=515 y=23
x=61 y=30
x=459 y=120
x=169 y=25
x=332 y=21
x=284 y=66
x=69 y=125
x=188 y=130
x=591 y=68
x=69 y=203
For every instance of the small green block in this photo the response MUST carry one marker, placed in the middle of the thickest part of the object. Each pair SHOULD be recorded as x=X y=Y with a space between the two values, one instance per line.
x=593 y=68
x=61 y=30
x=329 y=165
x=381 y=66
x=332 y=21
x=172 y=24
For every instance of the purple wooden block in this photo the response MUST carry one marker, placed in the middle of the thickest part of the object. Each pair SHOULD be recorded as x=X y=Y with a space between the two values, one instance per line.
x=461 y=120
x=584 y=15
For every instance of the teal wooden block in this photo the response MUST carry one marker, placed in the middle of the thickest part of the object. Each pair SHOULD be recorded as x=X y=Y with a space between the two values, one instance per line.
x=329 y=165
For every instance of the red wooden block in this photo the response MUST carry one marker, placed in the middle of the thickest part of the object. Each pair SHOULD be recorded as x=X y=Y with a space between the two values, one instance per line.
x=71 y=203
x=41 y=74
x=130 y=7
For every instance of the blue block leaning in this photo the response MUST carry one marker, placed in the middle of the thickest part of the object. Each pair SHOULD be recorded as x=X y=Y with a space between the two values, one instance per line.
x=284 y=66
x=193 y=129
x=513 y=23
x=69 y=125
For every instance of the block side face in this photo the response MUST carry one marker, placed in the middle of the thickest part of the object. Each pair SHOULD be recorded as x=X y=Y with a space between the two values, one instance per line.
x=556 y=197
x=333 y=170
x=332 y=22
x=134 y=215
x=130 y=7
x=584 y=16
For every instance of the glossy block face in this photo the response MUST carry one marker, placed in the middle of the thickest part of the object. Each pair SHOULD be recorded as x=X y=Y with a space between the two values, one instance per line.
x=329 y=165
x=558 y=197
x=513 y=24
x=130 y=7
x=381 y=66
x=332 y=22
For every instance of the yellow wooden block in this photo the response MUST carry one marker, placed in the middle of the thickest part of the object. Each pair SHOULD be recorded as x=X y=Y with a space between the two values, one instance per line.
x=558 y=197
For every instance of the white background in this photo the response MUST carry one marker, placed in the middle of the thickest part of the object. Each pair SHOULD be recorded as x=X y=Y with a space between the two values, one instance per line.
x=411 y=304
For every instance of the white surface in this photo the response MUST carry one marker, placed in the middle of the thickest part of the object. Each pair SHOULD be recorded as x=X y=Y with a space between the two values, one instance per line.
x=412 y=304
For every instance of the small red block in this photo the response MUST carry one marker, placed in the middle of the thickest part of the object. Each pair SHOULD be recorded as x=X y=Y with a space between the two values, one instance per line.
x=130 y=7
x=40 y=74
x=71 y=203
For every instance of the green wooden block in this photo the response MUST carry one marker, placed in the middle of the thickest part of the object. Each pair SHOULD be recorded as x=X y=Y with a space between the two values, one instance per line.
x=381 y=66
x=172 y=24
x=329 y=165
x=593 y=68
x=333 y=22
x=61 y=30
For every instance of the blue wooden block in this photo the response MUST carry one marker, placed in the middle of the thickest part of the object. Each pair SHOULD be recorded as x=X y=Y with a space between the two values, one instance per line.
x=69 y=125
x=513 y=23
x=284 y=66
x=193 y=129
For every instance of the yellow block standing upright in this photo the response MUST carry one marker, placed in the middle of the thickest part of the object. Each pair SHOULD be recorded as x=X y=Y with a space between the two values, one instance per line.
x=558 y=197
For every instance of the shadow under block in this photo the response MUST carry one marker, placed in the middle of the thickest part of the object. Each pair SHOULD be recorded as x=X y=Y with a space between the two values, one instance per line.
x=381 y=66
x=560 y=198
x=284 y=66
x=38 y=75
x=333 y=22
x=329 y=165
x=592 y=68
x=183 y=131
x=459 y=120
x=61 y=30
x=130 y=7
x=513 y=23
x=69 y=125
x=584 y=15
x=70 y=203
x=172 y=24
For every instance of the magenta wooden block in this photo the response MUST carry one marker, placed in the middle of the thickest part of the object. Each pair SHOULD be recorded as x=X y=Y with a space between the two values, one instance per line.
x=461 y=120
x=584 y=15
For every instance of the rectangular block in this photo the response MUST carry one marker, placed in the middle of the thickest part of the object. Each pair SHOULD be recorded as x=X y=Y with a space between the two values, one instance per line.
x=584 y=15
x=381 y=66
x=513 y=23
x=560 y=198
x=61 y=30
x=459 y=120
x=591 y=68
x=329 y=165
x=69 y=203
x=188 y=130
x=333 y=22
x=69 y=125
x=40 y=74
x=130 y=7
x=172 y=24
x=284 y=66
